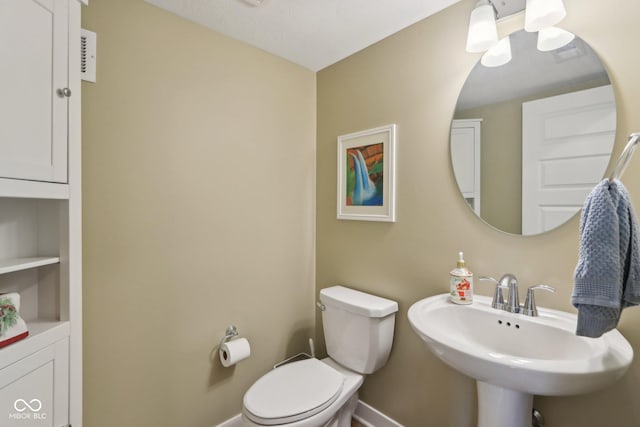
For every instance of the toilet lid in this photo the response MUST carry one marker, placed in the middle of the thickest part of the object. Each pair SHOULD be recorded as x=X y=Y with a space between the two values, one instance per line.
x=293 y=392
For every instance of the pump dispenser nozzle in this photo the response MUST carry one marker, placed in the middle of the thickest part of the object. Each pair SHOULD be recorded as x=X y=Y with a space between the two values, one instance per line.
x=460 y=262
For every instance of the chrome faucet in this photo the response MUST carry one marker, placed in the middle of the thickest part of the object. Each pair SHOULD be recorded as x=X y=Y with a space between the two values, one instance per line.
x=513 y=301
x=509 y=281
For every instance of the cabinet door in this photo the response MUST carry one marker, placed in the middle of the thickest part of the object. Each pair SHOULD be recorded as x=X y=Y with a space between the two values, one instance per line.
x=34 y=391
x=33 y=66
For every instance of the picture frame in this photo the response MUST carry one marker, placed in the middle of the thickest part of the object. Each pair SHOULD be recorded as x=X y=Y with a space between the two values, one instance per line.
x=366 y=175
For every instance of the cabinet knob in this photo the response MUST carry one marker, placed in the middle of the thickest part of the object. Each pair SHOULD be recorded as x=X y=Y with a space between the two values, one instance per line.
x=64 y=92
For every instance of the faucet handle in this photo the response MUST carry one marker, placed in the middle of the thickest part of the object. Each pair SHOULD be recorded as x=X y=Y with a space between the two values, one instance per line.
x=498 y=299
x=529 y=308
x=545 y=287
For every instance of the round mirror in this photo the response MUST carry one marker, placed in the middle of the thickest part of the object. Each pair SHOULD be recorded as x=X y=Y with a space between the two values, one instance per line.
x=531 y=138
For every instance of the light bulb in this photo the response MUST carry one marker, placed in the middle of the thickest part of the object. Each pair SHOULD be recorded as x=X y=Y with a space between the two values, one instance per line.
x=498 y=55
x=541 y=14
x=482 y=29
x=553 y=38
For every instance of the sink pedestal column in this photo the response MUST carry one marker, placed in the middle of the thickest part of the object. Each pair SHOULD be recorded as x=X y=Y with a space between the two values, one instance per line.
x=501 y=407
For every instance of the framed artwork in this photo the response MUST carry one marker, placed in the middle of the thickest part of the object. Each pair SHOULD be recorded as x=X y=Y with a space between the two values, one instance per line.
x=366 y=175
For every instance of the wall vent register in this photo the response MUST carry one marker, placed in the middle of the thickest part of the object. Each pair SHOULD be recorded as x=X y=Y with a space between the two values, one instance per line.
x=88 y=55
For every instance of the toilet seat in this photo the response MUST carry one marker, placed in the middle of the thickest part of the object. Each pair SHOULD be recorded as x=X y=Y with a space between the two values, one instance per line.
x=293 y=392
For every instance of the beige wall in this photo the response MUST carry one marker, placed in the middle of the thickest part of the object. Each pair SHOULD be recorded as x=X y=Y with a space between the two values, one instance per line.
x=413 y=79
x=199 y=204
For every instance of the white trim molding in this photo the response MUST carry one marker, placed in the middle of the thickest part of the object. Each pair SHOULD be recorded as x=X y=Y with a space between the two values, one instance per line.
x=371 y=417
x=365 y=414
x=235 y=421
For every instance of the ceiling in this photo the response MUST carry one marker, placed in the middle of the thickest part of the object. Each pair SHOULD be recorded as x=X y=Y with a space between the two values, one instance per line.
x=319 y=33
x=311 y=33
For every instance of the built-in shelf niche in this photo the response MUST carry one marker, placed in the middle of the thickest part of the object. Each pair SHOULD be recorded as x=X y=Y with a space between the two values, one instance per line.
x=30 y=264
x=39 y=290
x=29 y=228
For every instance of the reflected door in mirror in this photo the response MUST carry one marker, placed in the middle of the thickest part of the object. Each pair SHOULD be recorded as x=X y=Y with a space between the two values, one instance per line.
x=566 y=145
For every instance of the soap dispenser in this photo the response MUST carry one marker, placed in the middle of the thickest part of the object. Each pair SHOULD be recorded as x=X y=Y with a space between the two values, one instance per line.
x=461 y=283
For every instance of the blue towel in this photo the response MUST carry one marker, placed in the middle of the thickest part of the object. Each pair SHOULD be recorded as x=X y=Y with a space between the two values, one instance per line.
x=607 y=277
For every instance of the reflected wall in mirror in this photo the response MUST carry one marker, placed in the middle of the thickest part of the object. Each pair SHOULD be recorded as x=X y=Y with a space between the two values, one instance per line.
x=531 y=138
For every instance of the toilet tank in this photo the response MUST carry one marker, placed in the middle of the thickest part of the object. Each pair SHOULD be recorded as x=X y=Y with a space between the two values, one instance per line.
x=358 y=328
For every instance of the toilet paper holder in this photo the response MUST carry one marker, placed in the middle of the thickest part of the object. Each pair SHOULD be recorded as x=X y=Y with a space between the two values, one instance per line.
x=231 y=332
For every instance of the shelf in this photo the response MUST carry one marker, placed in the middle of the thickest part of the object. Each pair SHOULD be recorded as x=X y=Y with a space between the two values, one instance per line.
x=21 y=188
x=41 y=334
x=18 y=264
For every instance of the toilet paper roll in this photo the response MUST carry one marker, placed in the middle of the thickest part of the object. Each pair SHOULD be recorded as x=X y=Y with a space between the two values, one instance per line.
x=232 y=352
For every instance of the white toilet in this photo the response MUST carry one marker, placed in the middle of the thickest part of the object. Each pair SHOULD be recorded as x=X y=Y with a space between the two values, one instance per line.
x=358 y=330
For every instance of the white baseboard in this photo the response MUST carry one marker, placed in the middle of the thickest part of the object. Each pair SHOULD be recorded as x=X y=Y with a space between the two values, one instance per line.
x=365 y=414
x=371 y=417
x=232 y=422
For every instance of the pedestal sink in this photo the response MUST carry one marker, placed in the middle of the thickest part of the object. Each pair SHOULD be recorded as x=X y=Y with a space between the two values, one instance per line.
x=513 y=357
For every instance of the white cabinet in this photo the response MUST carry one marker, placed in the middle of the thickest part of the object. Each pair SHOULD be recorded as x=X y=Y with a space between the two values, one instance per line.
x=465 y=158
x=33 y=106
x=40 y=210
x=34 y=390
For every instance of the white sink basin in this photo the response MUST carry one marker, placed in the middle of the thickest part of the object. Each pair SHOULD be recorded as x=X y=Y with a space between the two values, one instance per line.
x=513 y=352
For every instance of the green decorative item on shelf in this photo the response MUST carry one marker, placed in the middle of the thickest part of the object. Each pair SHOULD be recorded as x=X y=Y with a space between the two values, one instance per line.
x=8 y=315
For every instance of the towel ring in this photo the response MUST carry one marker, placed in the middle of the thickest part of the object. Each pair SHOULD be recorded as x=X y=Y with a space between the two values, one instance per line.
x=624 y=158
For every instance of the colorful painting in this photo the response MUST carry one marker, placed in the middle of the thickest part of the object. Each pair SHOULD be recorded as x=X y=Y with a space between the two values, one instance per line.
x=366 y=189
x=365 y=175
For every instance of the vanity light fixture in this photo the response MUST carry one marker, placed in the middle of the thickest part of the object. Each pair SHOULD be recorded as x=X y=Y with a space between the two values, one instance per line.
x=498 y=55
x=483 y=33
x=541 y=14
x=553 y=38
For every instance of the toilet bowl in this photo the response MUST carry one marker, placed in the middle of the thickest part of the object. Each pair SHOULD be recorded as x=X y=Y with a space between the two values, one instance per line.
x=358 y=329
x=308 y=393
